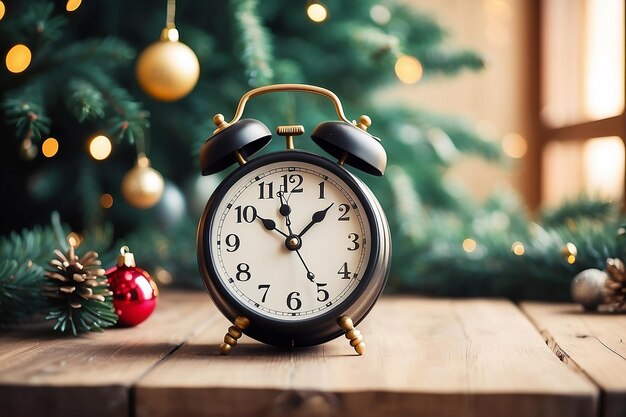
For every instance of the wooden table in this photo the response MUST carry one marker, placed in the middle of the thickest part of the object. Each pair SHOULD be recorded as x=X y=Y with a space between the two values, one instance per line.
x=425 y=357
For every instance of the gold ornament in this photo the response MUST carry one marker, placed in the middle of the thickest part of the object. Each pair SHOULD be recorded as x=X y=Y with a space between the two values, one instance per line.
x=615 y=286
x=168 y=69
x=143 y=185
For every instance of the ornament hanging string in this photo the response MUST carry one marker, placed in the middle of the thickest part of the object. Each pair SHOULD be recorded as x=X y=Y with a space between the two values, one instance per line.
x=171 y=12
x=170 y=33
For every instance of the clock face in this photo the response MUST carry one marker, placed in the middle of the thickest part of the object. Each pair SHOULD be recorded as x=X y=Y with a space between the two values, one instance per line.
x=289 y=240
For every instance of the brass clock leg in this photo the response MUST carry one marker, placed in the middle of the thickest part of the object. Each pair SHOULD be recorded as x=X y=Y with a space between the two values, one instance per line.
x=356 y=340
x=234 y=333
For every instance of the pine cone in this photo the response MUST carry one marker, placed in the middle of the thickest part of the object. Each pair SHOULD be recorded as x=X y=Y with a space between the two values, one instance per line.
x=615 y=286
x=79 y=293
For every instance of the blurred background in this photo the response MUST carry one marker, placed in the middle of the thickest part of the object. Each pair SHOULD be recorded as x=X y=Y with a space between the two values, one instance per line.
x=503 y=122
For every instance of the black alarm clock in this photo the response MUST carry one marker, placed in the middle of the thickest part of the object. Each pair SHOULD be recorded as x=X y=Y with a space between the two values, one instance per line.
x=293 y=248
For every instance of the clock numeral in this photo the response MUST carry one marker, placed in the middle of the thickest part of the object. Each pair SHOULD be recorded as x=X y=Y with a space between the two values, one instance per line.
x=293 y=179
x=322 y=294
x=232 y=241
x=321 y=184
x=243 y=272
x=343 y=271
x=265 y=287
x=270 y=190
x=293 y=302
x=345 y=209
x=355 y=240
x=248 y=213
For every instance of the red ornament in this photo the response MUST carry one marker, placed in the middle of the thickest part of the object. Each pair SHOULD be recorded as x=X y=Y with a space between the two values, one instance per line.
x=134 y=292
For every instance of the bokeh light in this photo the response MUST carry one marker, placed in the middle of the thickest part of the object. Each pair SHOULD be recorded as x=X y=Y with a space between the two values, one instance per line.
x=380 y=14
x=2 y=10
x=469 y=245
x=50 y=147
x=72 y=5
x=514 y=145
x=100 y=148
x=18 y=58
x=408 y=69
x=317 y=12
x=518 y=248
x=106 y=200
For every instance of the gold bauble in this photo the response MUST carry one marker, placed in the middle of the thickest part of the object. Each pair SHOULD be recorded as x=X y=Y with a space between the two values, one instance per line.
x=143 y=185
x=168 y=69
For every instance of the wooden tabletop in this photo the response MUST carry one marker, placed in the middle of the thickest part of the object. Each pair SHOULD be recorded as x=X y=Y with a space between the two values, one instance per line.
x=425 y=357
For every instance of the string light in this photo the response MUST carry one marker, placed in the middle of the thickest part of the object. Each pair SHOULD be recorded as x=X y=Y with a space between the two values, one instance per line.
x=106 y=200
x=18 y=58
x=570 y=251
x=317 y=12
x=514 y=145
x=100 y=148
x=469 y=245
x=2 y=10
x=72 y=5
x=408 y=69
x=518 y=248
x=74 y=239
x=50 y=147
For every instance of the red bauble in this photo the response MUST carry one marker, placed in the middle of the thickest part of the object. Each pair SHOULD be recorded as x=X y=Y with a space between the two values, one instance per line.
x=134 y=292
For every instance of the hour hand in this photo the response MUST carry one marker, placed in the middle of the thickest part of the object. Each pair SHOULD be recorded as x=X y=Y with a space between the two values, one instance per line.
x=270 y=224
x=317 y=217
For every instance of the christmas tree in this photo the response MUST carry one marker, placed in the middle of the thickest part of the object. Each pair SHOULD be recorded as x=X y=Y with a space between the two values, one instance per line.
x=72 y=78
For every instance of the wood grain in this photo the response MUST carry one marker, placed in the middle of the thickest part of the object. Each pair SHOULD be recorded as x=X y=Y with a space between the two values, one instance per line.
x=43 y=374
x=424 y=358
x=589 y=342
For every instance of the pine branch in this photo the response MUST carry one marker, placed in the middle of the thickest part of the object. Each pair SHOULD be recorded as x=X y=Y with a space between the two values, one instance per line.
x=374 y=41
x=582 y=208
x=106 y=53
x=84 y=100
x=130 y=119
x=36 y=26
x=449 y=62
x=20 y=291
x=253 y=41
x=27 y=115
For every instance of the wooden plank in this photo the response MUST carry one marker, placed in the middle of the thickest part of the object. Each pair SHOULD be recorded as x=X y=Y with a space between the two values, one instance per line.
x=425 y=358
x=591 y=342
x=42 y=373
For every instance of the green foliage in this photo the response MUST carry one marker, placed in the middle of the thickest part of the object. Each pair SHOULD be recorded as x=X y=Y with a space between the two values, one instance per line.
x=81 y=82
x=20 y=291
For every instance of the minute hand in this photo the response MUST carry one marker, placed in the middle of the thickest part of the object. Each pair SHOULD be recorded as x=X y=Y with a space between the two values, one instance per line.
x=317 y=217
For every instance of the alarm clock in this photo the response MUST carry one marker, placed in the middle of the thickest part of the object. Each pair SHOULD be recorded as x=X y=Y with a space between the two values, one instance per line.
x=292 y=247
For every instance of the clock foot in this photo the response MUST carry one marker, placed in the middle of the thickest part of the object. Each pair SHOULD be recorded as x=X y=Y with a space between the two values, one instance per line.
x=234 y=333
x=356 y=340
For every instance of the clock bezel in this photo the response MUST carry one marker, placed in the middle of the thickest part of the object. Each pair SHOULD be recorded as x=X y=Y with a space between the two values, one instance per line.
x=307 y=331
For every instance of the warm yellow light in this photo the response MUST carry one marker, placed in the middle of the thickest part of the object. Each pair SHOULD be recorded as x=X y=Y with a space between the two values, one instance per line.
x=408 y=69
x=18 y=58
x=518 y=248
x=317 y=12
x=106 y=201
x=603 y=167
x=50 y=147
x=571 y=259
x=100 y=147
x=72 y=5
x=469 y=245
x=514 y=145
x=74 y=239
x=2 y=10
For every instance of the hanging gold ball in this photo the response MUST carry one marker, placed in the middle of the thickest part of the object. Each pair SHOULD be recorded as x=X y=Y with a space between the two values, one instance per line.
x=168 y=69
x=143 y=185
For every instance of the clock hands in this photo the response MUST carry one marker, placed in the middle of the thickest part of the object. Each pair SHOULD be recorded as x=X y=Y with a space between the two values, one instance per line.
x=317 y=217
x=270 y=225
x=310 y=275
x=285 y=210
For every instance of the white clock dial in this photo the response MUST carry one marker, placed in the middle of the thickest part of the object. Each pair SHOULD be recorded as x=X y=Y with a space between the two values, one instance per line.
x=290 y=240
